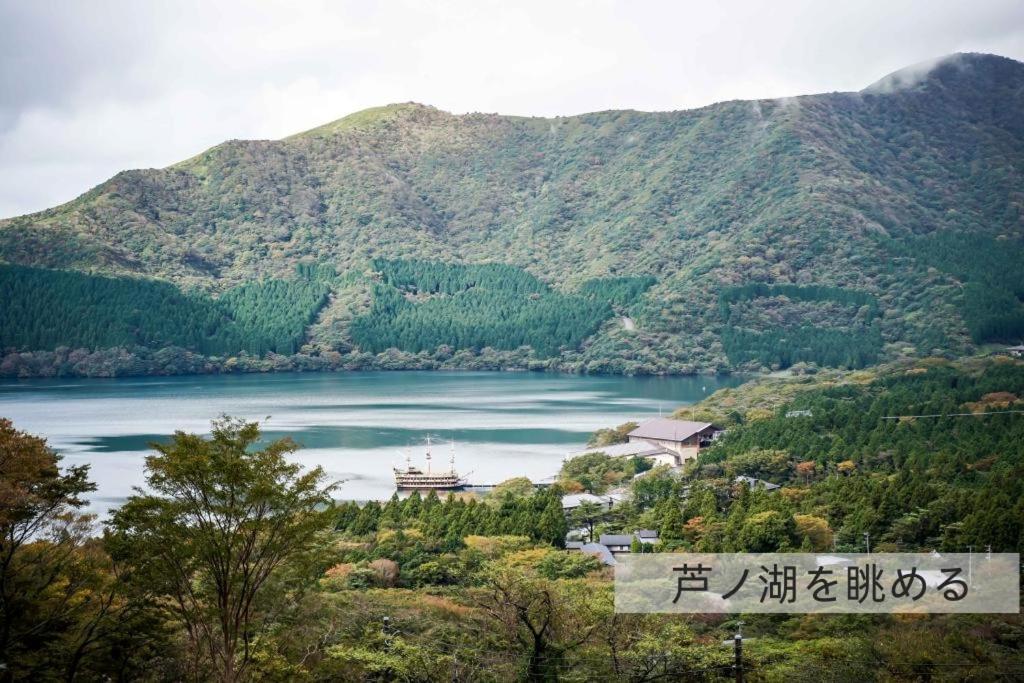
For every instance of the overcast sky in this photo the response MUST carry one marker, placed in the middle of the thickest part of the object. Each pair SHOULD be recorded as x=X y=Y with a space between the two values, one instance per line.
x=88 y=88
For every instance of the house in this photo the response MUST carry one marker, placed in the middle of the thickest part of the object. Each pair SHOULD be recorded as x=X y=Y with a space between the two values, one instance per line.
x=609 y=545
x=636 y=449
x=756 y=483
x=573 y=501
x=682 y=437
x=623 y=543
x=647 y=536
x=1016 y=351
x=617 y=543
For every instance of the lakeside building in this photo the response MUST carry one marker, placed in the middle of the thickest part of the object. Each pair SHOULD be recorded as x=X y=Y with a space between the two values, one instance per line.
x=635 y=449
x=682 y=437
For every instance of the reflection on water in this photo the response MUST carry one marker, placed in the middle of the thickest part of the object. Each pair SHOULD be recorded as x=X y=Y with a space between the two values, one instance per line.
x=355 y=425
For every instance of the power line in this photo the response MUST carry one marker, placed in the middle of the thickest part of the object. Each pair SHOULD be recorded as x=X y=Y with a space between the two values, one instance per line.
x=993 y=412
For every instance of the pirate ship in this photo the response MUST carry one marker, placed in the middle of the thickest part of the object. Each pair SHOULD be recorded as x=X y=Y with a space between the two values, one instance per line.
x=412 y=477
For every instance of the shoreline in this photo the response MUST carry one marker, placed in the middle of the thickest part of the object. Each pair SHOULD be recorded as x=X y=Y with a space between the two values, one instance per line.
x=112 y=363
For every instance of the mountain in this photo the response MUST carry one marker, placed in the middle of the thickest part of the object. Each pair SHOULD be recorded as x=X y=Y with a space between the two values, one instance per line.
x=838 y=229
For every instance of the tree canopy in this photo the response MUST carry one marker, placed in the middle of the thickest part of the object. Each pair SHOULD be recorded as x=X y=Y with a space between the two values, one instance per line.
x=224 y=522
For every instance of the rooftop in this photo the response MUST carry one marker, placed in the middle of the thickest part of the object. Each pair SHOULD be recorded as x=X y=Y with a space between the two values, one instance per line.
x=574 y=499
x=624 y=450
x=666 y=429
x=616 y=539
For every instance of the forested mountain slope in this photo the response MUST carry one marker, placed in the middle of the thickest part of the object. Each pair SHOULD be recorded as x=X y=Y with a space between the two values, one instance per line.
x=906 y=195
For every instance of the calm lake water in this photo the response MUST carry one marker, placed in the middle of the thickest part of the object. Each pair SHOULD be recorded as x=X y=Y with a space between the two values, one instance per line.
x=356 y=425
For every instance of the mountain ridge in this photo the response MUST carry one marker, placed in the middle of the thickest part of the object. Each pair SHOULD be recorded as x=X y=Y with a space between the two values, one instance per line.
x=904 y=78
x=827 y=190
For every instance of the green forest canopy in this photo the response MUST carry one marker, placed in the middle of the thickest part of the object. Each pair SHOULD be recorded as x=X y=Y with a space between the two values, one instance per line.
x=422 y=305
x=44 y=309
x=992 y=278
x=851 y=347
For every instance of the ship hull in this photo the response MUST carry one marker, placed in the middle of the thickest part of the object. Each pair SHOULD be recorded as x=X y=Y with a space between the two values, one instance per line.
x=426 y=484
x=429 y=487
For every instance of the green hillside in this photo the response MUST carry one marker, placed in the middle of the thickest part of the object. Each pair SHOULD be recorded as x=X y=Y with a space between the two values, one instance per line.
x=46 y=309
x=908 y=192
x=422 y=305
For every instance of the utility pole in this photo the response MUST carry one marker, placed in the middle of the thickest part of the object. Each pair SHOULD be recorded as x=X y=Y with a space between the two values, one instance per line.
x=867 y=542
x=738 y=666
x=970 y=566
x=737 y=644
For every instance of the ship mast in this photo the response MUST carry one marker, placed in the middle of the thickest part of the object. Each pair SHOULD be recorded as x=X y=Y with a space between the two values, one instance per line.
x=428 y=454
x=451 y=460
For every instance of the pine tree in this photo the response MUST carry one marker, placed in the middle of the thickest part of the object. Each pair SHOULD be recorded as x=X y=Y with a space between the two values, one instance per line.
x=367 y=520
x=551 y=526
x=671 y=522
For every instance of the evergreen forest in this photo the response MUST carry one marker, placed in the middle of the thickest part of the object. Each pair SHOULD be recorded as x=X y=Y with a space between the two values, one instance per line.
x=421 y=306
x=856 y=344
x=45 y=309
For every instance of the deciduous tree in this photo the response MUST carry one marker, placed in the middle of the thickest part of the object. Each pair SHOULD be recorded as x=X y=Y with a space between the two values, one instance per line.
x=224 y=520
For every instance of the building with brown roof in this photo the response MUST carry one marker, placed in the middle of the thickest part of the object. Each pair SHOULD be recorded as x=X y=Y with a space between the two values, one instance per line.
x=679 y=436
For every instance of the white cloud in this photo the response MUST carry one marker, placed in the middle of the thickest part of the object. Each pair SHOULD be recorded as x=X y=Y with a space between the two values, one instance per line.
x=87 y=89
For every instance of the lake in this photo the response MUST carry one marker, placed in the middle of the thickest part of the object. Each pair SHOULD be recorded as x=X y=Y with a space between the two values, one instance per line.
x=356 y=425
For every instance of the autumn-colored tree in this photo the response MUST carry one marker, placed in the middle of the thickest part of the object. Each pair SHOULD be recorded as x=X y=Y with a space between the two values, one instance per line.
x=806 y=469
x=815 y=529
x=386 y=571
x=53 y=589
x=546 y=618
x=694 y=529
x=224 y=521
